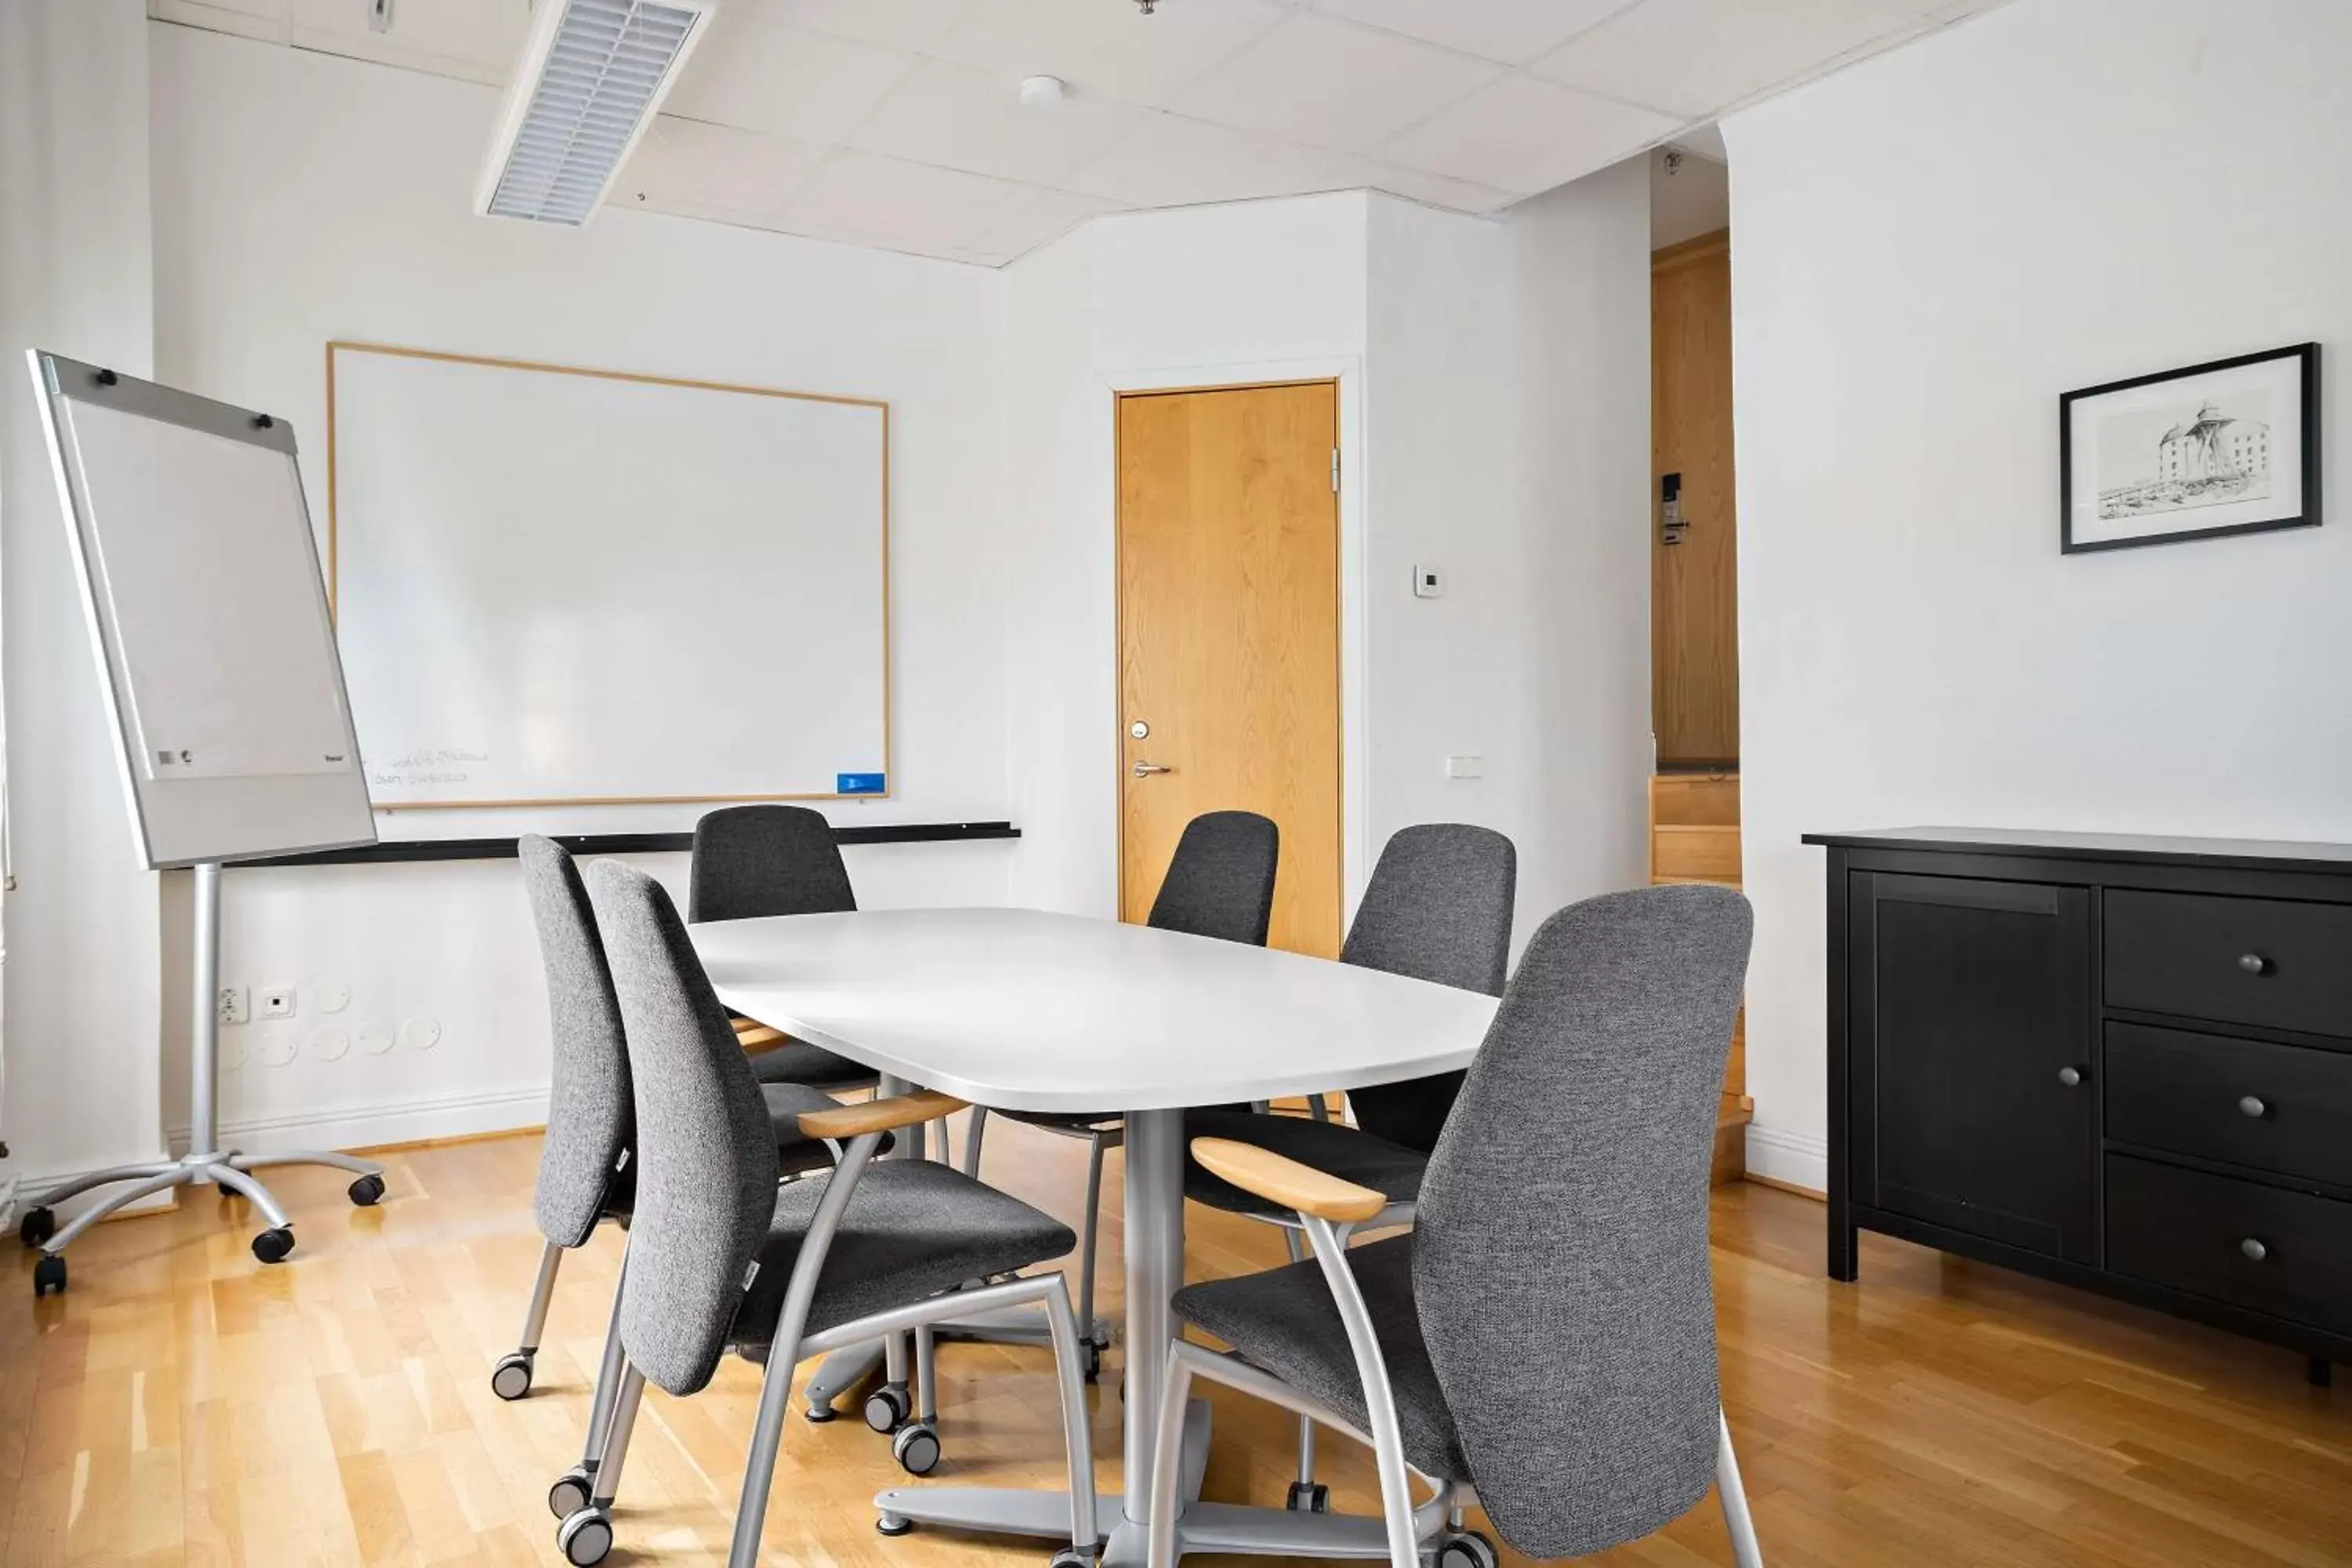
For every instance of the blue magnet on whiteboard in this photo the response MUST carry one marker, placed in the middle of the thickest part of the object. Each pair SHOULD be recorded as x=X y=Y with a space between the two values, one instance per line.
x=858 y=784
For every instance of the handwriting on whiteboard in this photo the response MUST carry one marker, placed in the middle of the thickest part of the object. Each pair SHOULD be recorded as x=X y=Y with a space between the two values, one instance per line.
x=424 y=767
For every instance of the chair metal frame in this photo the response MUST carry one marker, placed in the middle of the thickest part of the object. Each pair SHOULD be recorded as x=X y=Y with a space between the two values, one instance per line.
x=792 y=1344
x=1406 y=1529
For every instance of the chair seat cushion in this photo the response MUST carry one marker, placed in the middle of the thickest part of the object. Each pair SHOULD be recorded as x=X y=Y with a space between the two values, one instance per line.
x=1330 y=1147
x=1285 y=1321
x=913 y=1228
x=797 y=1061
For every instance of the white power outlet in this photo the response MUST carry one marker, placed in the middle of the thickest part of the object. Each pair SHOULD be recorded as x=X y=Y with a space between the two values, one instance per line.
x=235 y=1008
x=277 y=1002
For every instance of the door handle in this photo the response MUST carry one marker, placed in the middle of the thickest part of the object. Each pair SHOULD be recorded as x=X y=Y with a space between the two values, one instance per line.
x=1145 y=770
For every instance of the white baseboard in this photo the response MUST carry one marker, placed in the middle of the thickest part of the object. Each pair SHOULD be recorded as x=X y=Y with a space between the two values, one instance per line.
x=378 y=1122
x=1794 y=1159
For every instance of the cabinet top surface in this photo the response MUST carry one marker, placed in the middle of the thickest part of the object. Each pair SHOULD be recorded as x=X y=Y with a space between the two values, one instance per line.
x=2135 y=846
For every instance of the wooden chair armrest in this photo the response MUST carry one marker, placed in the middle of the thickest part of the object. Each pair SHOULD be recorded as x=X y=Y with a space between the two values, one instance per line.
x=1279 y=1179
x=879 y=1115
x=758 y=1037
x=745 y=1026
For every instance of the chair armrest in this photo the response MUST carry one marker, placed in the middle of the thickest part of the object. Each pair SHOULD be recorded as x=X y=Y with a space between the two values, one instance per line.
x=1279 y=1179
x=758 y=1037
x=879 y=1115
x=744 y=1025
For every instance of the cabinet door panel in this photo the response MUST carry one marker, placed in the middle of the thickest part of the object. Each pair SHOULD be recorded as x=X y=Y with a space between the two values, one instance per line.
x=1971 y=1013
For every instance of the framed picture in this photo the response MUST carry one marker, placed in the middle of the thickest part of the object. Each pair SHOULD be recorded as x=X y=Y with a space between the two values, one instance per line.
x=2215 y=449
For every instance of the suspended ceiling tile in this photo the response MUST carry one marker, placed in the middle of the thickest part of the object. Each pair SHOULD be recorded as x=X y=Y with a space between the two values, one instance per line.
x=1108 y=46
x=687 y=166
x=1511 y=31
x=959 y=118
x=1331 y=83
x=913 y=24
x=1692 y=58
x=871 y=200
x=763 y=75
x=1174 y=161
x=1524 y=136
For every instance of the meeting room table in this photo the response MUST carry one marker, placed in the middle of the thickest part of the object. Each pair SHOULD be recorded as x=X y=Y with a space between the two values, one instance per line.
x=1023 y=1010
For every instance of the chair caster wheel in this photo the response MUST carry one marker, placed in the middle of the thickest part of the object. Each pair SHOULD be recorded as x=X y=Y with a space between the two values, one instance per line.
x=917 y=1448
x=1466 y=1549
x=1090 y=1365
x=573 y=1490
x=1314 y=1497
x=1071 y=1557
x=49 y=1274
x=510 y=1379
x=36 y=1226
x=892 y=1524
x=584 y=1538
x=887 y=1407
x=367 y=1192
x=274 y=1246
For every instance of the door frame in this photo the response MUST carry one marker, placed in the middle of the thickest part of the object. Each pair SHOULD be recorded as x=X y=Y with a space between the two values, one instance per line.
x=1346 y=373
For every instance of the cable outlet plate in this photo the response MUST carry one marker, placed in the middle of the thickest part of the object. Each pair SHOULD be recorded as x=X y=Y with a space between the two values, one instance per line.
x=277 y=1002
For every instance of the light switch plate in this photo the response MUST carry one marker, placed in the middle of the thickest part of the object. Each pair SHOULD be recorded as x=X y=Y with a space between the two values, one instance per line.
x=1466 y=767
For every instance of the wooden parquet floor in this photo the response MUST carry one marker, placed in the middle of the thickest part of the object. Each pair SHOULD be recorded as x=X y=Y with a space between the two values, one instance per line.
x=184 y=1404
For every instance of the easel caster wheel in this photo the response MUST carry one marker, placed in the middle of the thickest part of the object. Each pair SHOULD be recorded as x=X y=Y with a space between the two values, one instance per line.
x=887 y=1407
x=274 y=1246
x=510 y=1379
x=49 y=1274
x=367 y=1192
x=1466 y=1549
x=585 y=1538
x=892 y=1524
x=1309 y=1497
x=917 y=1448
x=570 y=1493
x=1071 y=1557
x=36 y=1226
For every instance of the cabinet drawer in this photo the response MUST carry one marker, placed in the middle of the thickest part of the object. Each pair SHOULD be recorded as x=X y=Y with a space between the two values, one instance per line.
x=2284 y=1109
x=2266 y=962
x=2262 y=1248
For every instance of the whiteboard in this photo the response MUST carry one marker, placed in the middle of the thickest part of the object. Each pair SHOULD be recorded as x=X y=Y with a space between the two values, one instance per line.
x=208 y=617
x=556 y=586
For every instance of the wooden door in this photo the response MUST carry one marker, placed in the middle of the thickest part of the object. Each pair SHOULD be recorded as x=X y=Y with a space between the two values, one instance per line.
x=1229 y=635
x=1971 y=1035
x=1695 y=618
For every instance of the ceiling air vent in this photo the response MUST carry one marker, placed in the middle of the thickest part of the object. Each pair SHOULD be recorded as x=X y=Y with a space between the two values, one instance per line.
x=590 y=77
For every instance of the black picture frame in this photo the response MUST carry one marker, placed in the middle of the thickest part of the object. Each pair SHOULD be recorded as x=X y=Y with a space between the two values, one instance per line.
x=2306 y=420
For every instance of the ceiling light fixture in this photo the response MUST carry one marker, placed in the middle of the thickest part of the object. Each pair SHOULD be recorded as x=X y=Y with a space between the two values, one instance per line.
x=1147 y=5
x=593 y=73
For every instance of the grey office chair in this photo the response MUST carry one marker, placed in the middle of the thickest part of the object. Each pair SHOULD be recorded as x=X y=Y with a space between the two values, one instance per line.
x=751 y=861
x=1220 y=883
x=586 y=1170
x=722 y=1258
x=1546 y=1333
x=1438 y=907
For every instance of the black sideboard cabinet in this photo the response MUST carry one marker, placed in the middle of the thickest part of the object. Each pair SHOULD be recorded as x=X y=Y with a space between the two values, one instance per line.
x=2120 y=1063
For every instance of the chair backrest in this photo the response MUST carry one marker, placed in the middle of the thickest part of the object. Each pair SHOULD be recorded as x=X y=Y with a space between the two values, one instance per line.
x=590 y=1121
x=705 y=1152
x=1220 y=881
x=1561 y=1253
x=1438 y=907
x=754 y=860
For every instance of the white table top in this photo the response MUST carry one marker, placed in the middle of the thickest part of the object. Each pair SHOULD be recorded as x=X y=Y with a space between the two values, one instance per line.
x=1023 y=1010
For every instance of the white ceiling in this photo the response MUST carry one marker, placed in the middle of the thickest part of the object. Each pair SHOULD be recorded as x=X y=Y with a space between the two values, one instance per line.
x=896 y=123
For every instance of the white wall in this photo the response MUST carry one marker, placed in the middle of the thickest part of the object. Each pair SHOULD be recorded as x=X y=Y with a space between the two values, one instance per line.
x=1932 y=247
x=300 y=197
x=80 y=1025
x=1495 y=420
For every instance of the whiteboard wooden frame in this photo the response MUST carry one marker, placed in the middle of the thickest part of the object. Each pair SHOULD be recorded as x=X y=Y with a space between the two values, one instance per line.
x=889 y=777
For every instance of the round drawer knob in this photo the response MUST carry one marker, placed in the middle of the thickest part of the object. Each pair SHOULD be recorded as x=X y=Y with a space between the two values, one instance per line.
x=2253 y=1249
x=2253 y=963
x=2251 y=1105
x=2070 y=1077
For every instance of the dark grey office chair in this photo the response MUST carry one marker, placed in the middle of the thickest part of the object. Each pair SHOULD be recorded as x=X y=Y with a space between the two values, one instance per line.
x=587 y=1169
x=724 y=1259
x=1220 y=883
x=751 y=861
x=1438 y=907
x=1544 y=1335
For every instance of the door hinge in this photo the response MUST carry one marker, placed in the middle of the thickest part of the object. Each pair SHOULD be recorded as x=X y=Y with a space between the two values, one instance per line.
x=1335 y=470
